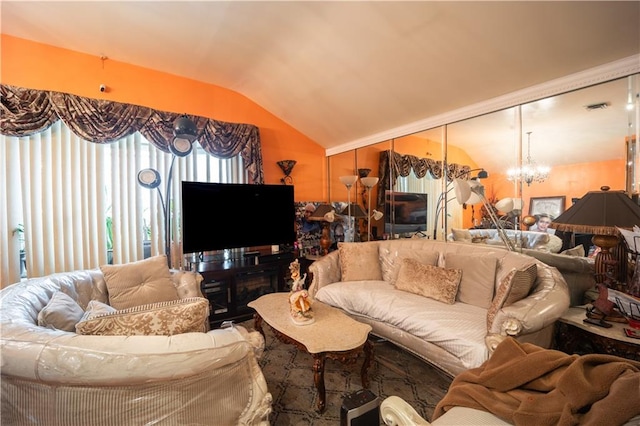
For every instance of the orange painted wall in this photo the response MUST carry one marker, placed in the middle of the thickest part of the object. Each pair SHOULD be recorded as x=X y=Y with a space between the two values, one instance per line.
x=39 y=66
x=572 y=181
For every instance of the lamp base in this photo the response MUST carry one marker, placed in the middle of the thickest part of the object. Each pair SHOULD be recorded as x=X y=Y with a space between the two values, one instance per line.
x=325 y=239
x=606 y=264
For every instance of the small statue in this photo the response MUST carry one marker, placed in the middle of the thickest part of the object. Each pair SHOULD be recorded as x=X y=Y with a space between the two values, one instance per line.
x=299 y=300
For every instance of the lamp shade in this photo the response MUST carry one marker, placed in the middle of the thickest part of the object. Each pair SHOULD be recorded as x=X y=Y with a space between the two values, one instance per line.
x=354 y=209
x=507 y=205
x=599 y=212
x=369 y=181
x=468 y=192
x=348 y=180
x=184 y=128
x=149 y=178
x=320 y=212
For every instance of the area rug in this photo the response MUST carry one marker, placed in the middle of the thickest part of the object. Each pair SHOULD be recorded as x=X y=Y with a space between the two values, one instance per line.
x=289 y=376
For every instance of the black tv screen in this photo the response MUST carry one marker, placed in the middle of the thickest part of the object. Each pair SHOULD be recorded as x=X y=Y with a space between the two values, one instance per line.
x=405 y=212
x=217 y=216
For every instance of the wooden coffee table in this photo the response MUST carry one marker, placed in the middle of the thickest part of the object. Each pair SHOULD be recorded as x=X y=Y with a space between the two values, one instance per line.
x=333 y=335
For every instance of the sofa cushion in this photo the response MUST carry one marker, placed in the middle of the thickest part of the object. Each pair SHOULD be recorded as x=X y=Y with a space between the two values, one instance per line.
x=391 y=260
x=575 y=251
x=165 y=318
x=139 y=283
x=359 y=261
x=437 y=283
x=478 y=278
x=515 y=286
x=462 y=235
x=62 y=313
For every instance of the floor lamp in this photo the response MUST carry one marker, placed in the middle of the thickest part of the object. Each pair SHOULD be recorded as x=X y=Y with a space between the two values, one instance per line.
x=467 y=193
x=369 y=182
x=184 y=134
x=349 y=181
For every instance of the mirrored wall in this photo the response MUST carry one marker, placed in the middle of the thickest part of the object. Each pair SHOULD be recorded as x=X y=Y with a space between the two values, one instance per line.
x=584 y=137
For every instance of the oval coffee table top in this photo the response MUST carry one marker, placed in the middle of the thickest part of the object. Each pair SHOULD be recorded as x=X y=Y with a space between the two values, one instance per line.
x=332 y=331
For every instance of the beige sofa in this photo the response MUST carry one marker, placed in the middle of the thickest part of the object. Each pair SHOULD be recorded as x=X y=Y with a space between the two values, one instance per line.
x=56 y=377
x=577 y=270
x=453 y=337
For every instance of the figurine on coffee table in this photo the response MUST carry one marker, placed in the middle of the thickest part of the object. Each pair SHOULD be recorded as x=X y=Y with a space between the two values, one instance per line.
x=299 y=300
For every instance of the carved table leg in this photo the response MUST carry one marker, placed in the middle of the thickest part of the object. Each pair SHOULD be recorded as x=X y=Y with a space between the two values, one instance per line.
x=257 y=323
x=368 y=359
x=318 y=379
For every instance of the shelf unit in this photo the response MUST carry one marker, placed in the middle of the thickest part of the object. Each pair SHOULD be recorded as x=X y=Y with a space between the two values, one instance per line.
x=230 y=285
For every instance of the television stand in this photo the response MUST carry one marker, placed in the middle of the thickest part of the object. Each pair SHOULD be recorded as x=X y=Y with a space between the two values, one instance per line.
x=231 y=284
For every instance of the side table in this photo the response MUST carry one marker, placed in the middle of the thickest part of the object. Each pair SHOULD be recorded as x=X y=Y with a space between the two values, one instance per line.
x=333 y=335
x=573 y=336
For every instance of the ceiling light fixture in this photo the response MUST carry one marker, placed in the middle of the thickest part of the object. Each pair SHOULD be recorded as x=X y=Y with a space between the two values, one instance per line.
x=530 y=171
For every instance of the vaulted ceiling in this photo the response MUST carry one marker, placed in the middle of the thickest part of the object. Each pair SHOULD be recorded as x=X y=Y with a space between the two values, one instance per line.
x=344 y=72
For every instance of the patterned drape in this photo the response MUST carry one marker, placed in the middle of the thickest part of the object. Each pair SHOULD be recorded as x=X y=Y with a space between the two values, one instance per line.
x=393 y=165
x=28 y=111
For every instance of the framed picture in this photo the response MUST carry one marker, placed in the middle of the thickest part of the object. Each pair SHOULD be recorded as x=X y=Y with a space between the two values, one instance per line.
x=553 y=206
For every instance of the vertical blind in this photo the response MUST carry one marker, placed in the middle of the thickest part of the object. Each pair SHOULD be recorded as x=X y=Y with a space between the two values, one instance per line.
x=79 y=203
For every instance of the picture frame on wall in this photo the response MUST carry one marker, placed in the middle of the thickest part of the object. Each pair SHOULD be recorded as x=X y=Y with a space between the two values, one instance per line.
x=553 y=206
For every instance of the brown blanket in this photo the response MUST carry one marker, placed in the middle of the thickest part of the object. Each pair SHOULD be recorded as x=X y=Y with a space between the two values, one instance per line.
x=527 y=385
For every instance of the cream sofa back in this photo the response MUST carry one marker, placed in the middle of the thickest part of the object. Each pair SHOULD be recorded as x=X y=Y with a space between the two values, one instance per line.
x=577 y=271
x=532 y=240
x=60 y=372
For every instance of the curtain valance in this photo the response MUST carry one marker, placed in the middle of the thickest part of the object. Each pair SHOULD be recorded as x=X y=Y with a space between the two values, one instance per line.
x=28 y=111
x=393 y=164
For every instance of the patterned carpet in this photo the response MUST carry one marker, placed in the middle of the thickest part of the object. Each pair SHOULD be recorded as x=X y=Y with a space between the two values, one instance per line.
x=289 y=376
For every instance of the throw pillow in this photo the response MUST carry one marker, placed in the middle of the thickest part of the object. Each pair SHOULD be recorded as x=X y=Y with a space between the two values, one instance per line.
x=359 y=261
x=478 y=278
x=139 y=283
x=95 y=308
x=515 y=286
x=62 y=313
x=576 y=251
x=541 y=242
x=437 y=283
x=391 y=260
x=462 y=235
x=156 y=319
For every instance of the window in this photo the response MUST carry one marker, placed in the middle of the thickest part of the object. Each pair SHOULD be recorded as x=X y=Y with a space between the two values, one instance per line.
x=80 y=204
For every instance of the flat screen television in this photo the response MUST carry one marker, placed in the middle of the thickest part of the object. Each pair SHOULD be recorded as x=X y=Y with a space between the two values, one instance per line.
x=405 y=212
x=217 y=216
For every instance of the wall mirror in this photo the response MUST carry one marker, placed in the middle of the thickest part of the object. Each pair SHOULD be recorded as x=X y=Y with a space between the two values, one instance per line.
x=584 y=136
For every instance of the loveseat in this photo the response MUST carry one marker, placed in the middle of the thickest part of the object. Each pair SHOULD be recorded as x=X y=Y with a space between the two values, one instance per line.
x=576 y=269
x=54 y=376
x=499 y=293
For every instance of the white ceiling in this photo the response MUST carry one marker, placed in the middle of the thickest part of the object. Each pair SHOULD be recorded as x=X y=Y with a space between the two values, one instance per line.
x=342 y=72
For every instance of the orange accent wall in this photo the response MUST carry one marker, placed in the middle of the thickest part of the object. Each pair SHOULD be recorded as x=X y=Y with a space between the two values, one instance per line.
x=39 y=66
x=572 y=181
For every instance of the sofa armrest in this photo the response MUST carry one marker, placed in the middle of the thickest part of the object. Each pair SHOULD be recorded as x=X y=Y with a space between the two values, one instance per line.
x=187 y=283
x=548 y=301
x=395 y=411
x=325 y=270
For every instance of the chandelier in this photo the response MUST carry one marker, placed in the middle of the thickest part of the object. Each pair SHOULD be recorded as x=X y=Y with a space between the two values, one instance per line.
x=530 y=171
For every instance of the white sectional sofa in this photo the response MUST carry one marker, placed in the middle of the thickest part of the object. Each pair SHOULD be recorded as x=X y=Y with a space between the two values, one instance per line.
x=361 y=279
x=56 y=377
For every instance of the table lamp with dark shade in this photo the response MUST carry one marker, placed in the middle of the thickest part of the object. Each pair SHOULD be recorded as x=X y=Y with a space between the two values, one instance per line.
x=324 y=213
x=599 y=213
